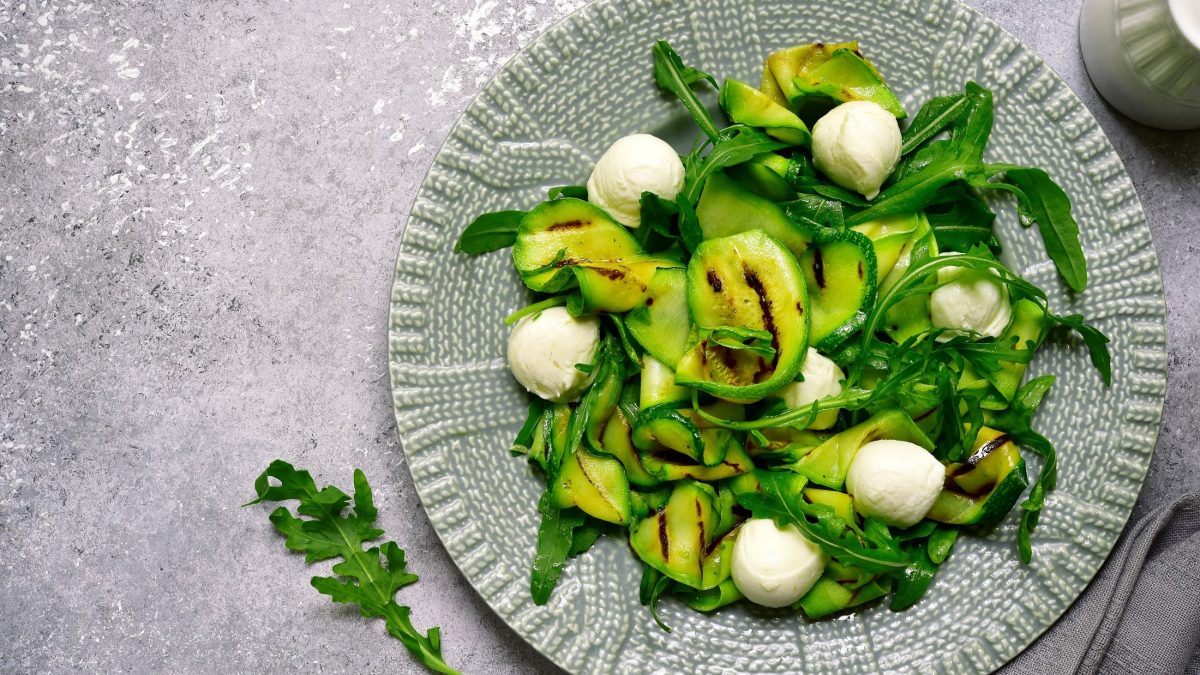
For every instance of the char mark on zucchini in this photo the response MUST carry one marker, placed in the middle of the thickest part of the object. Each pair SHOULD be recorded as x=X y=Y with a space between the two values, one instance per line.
x=568 y=225
x=764 y=303
x=664 y=540
x=818 y=267
x=714 y=281
x=983 y=451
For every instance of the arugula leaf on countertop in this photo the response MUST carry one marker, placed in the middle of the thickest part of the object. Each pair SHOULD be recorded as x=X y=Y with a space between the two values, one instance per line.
x=368 y=578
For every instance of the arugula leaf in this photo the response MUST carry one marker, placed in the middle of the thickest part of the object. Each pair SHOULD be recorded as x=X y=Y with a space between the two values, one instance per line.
x=814 y=211
x=490 y=232
x=652 y=587
x=532 y=419
x=961 y=220
x=1050 y=207
x=912 y=583
x=368 y=578
x=1017 y=423
x=657 y=213
x=552 y=301
x=555 y=538
x=937 y=114
x=819 y=525
x=671 y=74
x=585 y=536
x=689 y=224
x=941 y=543
x=568 y=191
x=1097 y=342
x=734 y=145
x=740 y=337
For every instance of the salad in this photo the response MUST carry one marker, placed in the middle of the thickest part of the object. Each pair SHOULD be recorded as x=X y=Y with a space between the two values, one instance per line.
x=788 y=366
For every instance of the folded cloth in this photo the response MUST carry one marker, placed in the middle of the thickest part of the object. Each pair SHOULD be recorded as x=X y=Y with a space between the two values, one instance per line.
x=1141 y=614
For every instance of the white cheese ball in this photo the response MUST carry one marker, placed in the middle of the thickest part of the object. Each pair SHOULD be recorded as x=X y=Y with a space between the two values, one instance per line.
x=895 y=481
x=544 y=347
x=970 y=302
x=774 y=566
x=633 y=165
x=857 y=144
x=822 y=379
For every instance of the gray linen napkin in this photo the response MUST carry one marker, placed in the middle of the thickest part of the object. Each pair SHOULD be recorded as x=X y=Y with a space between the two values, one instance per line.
x=1141 y=614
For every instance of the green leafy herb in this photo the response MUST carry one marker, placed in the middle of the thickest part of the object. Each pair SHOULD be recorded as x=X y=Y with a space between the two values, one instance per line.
x=657 y=214
x=537 y=407
x=937 y=114
x=553 y=301
x=490 y=232
x=1097 y=342
x=654 y=584
x=734 y=145
x=568 y=191
x=368 y=578
x=740 y=337
x=585 y=536
x=912 y=583
x=1017 y=423
x=814 y=212
x=556 y=535
x=689 y=224
x=941 y=543
x=671 y=74
x=1050 y=207
x=961 y=220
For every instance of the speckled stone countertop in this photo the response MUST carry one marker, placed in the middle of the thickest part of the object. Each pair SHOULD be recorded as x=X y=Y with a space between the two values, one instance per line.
x=199 y=208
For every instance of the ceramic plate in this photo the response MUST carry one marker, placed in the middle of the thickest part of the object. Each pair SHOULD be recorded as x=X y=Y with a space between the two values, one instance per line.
x=544 y=119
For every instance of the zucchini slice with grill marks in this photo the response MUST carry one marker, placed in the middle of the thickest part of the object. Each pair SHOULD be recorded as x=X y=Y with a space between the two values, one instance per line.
x=596 y=484
x=749 y=307
x=617 y=440
x=566 y=242
x=840 y=272
x=889 y=235
x=982 y=490
x=681 y=540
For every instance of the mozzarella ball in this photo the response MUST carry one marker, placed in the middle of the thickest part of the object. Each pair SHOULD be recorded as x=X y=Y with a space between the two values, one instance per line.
x=774 y=566
x=633 y=165
x=895 y=481
x=857 y=145
x=969 y=302
x=544 y=347
x=822 y=378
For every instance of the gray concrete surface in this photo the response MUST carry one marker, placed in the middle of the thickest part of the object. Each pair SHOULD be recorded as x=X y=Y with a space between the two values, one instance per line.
x=199 y=207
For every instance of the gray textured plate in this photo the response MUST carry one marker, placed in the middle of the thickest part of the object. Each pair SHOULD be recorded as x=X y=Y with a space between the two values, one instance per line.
x=543 y=120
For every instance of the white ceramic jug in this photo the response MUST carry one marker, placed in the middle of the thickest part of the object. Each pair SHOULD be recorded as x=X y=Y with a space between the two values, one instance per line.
x=1144 y=58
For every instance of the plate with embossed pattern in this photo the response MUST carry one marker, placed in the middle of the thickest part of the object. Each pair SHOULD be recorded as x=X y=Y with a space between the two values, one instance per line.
x=544 y=119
